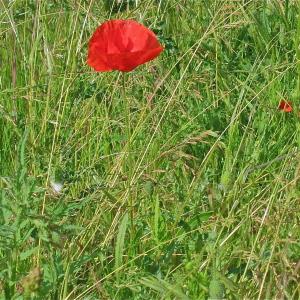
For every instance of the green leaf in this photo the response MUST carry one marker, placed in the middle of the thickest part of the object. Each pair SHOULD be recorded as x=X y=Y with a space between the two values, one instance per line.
x=22 y=147
x=227 y=282
x=204 y=216
x=149 y=188
x=156 y=218
x=24 y=255
x=216 y=289
x=164 y=287
x=110 y=196
x=119 y=249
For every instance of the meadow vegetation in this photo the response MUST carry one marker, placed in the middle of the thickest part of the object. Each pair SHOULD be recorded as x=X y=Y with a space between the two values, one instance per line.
x=183 y=185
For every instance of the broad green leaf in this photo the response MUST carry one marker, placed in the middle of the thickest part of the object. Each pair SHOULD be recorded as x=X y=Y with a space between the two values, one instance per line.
x=119 y=249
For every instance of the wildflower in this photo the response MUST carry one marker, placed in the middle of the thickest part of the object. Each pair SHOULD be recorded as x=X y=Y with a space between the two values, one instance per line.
x=286 y=106
x=122 y=45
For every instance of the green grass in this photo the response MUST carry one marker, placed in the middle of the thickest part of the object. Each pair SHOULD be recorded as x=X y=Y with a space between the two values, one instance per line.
x=198 y=198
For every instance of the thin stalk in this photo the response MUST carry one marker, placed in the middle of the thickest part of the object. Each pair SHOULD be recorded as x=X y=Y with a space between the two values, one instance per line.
x=297 y=46
x=128 y=164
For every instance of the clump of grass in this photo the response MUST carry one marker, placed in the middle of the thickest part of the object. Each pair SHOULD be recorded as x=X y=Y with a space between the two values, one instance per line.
x=213 y=168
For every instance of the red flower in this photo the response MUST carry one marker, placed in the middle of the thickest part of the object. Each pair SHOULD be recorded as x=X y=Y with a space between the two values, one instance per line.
x=286 y=106
x=122 y=45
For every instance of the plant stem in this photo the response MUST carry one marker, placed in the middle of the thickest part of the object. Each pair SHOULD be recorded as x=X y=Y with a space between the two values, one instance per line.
x=128 y=161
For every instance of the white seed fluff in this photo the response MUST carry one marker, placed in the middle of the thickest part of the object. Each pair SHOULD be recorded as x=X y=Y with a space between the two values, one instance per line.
x=56 y=186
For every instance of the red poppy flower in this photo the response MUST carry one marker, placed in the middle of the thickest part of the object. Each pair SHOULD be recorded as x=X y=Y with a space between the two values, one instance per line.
x=286 y=106
x=122 y=45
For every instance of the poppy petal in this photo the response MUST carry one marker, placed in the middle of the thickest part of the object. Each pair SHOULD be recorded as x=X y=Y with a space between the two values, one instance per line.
x=285 y=106
x=122 y=45
x=96 y=60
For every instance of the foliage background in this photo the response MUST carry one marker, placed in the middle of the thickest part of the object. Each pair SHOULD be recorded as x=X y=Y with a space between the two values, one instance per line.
x=184 y=187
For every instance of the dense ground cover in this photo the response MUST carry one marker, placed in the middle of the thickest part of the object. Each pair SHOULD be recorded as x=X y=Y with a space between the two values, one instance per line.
x=185 y=186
